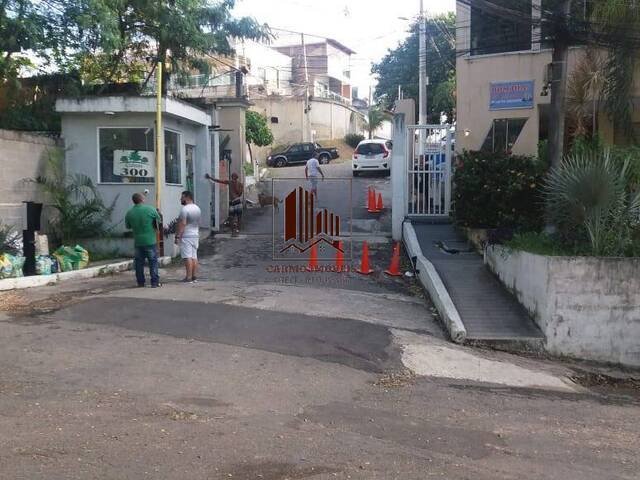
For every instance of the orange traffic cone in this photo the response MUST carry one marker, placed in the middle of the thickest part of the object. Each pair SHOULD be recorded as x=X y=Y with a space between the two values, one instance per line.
x=371 y=204
x=339 y=257
x=313 y=258
x=379 y=206
x=394 y=267
x=364 y=265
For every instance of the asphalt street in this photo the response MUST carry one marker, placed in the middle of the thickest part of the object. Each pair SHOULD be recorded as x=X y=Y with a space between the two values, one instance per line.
x=253 y=373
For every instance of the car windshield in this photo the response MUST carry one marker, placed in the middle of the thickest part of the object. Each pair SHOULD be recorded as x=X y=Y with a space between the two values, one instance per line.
x=370 y=149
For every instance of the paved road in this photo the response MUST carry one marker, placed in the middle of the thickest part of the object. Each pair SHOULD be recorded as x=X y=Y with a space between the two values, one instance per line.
x=253 y=374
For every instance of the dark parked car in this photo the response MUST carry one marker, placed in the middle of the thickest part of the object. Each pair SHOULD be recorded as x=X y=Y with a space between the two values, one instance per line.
x=300 y=153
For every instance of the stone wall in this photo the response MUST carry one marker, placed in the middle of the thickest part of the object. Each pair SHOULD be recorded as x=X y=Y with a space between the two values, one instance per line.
x=22 y=155
x=588 y=308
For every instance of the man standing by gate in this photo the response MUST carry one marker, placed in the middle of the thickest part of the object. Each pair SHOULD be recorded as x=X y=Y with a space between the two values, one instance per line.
x=236 y=191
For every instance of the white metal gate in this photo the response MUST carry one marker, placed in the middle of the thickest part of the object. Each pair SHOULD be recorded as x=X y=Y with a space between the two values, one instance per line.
x=428 y=169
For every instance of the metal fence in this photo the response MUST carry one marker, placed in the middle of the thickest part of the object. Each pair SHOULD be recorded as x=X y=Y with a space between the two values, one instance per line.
x=428 y=166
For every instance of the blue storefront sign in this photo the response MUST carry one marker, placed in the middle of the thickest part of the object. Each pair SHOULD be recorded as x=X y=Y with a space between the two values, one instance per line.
x=511 y=95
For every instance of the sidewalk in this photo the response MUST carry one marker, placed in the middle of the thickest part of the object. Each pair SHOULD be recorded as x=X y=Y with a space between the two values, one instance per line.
x=92 y=271
x=487 y=310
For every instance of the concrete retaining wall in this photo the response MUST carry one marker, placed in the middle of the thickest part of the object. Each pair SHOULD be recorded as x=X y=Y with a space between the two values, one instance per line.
x=588 y=308
x=23 y=156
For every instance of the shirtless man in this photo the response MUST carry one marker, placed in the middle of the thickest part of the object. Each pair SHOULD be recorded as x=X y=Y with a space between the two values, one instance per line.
x=236 y=190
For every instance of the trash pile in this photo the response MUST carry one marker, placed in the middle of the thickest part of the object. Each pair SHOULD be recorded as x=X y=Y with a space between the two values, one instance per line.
x=11 y=266
x=64 y=259
x=71 y=258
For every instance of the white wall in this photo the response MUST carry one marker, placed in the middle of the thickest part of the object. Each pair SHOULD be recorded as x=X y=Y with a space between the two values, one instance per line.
x=22 y=156
x=587 y=307
x=330 y=120
x=333 y=120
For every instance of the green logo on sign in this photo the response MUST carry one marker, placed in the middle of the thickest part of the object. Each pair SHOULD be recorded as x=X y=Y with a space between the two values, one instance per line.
x=134 y=157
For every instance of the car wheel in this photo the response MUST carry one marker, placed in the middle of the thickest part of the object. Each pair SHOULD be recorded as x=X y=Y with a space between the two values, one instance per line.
x=324 y=159
x=281 y=162
x=356 y=174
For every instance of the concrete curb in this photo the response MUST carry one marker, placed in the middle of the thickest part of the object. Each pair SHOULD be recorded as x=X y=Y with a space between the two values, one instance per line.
x=91 y=272
x=432 y=282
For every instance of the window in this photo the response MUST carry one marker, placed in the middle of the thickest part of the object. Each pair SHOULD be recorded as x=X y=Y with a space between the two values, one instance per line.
x=370 y=149
x=138 y=140
x=307 y=147
x=503 y=134
x=274 y=120
x=172 y=157
x=501 y=26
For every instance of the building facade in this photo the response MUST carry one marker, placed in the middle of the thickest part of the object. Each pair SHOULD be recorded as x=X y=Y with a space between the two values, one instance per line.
x=503 y=66
x=328 y=66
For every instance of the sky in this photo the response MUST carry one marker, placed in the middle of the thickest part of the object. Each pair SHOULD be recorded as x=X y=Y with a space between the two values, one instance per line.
x=370 y=27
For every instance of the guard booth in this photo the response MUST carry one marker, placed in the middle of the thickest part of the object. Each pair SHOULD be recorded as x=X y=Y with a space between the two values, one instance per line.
x=111 y=140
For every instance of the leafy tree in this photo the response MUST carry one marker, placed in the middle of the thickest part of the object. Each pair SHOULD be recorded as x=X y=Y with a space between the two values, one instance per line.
x=114 y=38
x=400 y=67
x=21 y=31
x=257 y=131
x=613 y=23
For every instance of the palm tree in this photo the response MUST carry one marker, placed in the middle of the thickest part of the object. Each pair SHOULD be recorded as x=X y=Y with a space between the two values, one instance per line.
x=79 y=210
x=584 y=92
x=376 y=116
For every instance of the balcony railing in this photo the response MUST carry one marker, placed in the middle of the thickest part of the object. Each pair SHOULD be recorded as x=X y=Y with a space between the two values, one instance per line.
x=320 y=93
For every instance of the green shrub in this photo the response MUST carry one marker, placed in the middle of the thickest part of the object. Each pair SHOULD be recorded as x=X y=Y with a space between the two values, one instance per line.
x=543 y=244
x=494 y=190
x=79 y=210
x=353 y=139
x=590 y=200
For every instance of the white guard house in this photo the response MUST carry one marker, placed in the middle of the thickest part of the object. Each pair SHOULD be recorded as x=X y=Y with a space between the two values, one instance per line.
x=111 y=139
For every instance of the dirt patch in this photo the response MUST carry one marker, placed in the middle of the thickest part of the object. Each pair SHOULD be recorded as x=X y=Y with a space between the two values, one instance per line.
x=396 y=379
x=19 y=304
x=596 y=380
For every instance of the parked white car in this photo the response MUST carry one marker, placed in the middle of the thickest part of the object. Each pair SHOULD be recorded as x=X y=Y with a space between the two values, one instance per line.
x=372 y=156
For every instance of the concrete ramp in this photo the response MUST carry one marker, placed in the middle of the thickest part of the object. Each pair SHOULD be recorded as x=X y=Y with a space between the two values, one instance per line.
x=487 y=310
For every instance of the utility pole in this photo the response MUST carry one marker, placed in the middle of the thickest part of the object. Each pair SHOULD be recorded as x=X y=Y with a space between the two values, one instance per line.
x=559 y=61
x=422 y=62
x=159 y=152
x=307 y=126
